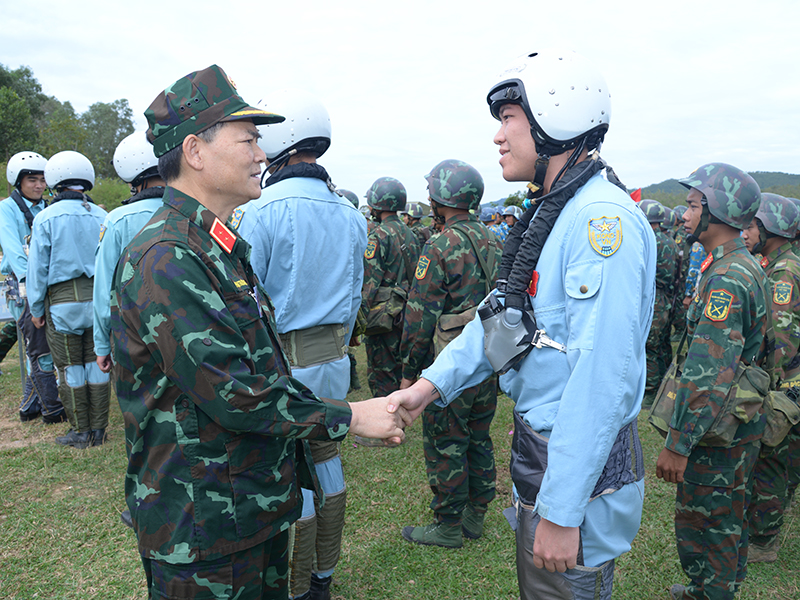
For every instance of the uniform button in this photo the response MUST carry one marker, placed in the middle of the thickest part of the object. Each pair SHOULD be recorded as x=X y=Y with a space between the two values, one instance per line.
x=185 y=404
x=207 y=341
x=584 y=289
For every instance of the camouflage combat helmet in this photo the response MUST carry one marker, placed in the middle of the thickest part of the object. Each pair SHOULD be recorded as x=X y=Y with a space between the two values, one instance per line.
x=456 y=184
x=386 y=194
x=678 y=212
x=415 y=211
x=778 y=215
x=348 y=195
x=653 y=210
x=670 y=220
x=731 y=195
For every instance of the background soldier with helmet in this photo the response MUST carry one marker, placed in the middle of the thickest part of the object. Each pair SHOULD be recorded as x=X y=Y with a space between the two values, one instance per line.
x=25 y=171
x=511 y=214
x=413 y=214
x=388 y=264
x=456 y=270
x=727 y=324
x=659 y=351
x=770 y=236
x=60 y=281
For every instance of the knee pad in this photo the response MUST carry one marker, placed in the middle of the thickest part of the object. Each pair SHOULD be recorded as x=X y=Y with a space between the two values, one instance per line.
x=94 y=376
x=331 y=475
x=75 y=376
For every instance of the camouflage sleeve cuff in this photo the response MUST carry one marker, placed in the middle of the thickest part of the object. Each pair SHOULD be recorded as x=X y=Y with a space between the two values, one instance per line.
x=679 y=443
x=337 y=418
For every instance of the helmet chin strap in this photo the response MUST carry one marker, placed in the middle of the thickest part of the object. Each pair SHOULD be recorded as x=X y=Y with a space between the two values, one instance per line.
x=436 y=216
x=762 y=237
x=701 y=228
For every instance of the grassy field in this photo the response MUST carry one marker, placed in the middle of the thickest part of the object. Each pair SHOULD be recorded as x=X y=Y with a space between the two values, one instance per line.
x=61 y=537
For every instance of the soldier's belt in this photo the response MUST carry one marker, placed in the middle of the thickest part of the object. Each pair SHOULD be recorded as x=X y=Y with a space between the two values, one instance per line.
x=315 y=345
x=73 y=290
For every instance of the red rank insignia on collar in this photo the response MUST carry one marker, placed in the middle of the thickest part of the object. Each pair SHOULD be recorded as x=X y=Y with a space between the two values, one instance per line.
x=533 y=284
x=706 y=263
x=764 y=262
x=223 y=235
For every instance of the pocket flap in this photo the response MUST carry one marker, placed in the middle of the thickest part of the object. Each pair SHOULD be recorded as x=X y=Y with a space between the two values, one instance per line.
x=583 y=279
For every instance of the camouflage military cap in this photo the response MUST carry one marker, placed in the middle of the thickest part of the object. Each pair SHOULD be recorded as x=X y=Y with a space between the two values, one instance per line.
x=194 y=103
x=732 y=195
x=678 y=212
x=387 y=194
x=778 y=215
x=349 y=196
x=670 y=220
x=415 y=211
x=653 y=210
x=456 y=184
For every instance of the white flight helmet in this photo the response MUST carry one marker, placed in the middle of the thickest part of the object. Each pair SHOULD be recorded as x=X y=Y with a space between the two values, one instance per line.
x=24 y=163
x=307 y=125
x=564 y=96
x=134 y=158
x=67 y=168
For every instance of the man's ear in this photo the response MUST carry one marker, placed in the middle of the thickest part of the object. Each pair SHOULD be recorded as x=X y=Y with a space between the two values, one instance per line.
x=193 y=152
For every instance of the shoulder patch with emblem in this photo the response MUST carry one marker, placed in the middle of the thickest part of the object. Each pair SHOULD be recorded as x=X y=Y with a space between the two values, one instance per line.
x=223 y=235
x=102 y=232
x=371 y=248
x=422 y=267
x=783 y=292
x=719 y=305
x=236 y=218
x=605 y=235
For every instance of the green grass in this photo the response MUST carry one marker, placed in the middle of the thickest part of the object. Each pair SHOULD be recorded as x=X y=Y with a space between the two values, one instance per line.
x=61 y=537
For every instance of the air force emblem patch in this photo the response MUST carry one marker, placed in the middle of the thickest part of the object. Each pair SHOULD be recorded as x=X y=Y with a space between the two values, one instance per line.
x=422 y=267
x=102 y=232
x=370 y=251
x=783 y=292
x=236 y=218
x=605 y=235
x=719 y=305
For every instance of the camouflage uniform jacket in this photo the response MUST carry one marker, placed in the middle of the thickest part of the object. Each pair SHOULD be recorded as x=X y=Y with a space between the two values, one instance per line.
x=211 y=411
x=384 y=258
x=448 y=280
x=422 y=233
x=726 y=324
x=666 y=265
x=783 y=271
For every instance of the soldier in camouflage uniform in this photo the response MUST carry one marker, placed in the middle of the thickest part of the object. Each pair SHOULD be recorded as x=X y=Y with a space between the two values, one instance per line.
x=450 y=281
x=684 y=250
x=355 y=340
x=726 y=324
x=413 y=214
x=770 y=234
x=659 y=352
x=210 y=407
x=388 y=262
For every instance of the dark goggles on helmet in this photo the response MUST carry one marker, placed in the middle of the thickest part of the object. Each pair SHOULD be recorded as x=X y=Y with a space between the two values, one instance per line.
x=507 y=92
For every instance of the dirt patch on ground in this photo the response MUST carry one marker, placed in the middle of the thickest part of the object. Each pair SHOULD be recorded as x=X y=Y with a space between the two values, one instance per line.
x=16 y=434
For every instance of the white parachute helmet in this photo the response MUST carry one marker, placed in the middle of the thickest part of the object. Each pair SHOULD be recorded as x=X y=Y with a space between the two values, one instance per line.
x=134 y=156
x=69 y=167
x=307 y=125
x=564 y=96
x=23 y=163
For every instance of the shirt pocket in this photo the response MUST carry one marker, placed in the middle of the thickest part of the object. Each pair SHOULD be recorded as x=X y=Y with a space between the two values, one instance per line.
x=582 y=284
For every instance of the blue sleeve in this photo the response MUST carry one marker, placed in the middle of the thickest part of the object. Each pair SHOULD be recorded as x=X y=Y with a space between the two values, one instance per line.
x=106 y=257
x=11 y=240
x=38 y=267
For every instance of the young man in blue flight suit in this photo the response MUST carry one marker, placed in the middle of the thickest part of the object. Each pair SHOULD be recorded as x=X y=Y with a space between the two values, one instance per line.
x=60 y=272
x=307 y=247
x=25 y=171
x=577 y=401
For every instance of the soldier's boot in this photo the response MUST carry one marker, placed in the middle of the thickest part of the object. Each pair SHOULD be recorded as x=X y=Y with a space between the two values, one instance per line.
x=472 y=522
x=355 y=384
x=30 y=408
x=320 y=588
x=80 y=436
x=75 y=439
x=43 y=378
x=441 y=534
x=125 y=517
x=98 y=437
x=301 y=557
x=765 y=552
x=676 y=591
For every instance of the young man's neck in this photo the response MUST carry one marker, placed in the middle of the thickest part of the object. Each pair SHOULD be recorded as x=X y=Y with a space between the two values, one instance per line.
x=718 y=234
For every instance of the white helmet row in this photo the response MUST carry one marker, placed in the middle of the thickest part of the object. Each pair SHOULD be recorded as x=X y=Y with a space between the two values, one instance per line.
x=134 y=157
x=23 y=163
x=564 y=96
x=69 y=167
x=307 y=125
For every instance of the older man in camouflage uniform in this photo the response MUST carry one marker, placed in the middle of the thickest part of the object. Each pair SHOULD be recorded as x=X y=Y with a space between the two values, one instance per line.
x=388 y=263
x=211 y=409
x=770 y=235
x=455 y=272
x=726 y=324
x=659 y=353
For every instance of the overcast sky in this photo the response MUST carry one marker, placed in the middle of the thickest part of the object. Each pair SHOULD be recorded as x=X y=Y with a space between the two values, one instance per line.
x=405 y=83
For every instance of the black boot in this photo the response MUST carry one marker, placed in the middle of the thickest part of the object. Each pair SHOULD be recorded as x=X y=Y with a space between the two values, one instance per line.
x=355 y=384
x=76 y=440
x=98 y=437
x=125 y=516
x=320 y=588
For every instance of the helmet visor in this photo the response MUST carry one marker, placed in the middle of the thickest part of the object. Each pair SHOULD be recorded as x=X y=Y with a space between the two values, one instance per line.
x=507 y=92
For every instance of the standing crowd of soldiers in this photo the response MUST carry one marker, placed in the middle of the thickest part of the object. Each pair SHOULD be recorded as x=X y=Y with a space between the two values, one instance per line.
x=226 y=293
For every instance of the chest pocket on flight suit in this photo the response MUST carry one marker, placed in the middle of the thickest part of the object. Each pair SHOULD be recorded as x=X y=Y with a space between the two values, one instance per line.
x=581 y=283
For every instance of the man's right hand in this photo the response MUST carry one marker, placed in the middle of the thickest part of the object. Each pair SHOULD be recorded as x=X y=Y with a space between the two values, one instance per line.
x=104 y=362
x=413 y=399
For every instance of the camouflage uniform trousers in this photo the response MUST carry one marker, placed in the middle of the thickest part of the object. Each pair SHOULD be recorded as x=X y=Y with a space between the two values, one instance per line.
x=255 y=573
x=384 y=365
x=8 y=337
x=459 y=455
x=658 y=358
x=775 y=479
x=710 y=524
